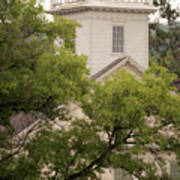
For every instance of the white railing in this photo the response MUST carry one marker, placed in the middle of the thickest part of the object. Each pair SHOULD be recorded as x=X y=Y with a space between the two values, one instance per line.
x=56 y=3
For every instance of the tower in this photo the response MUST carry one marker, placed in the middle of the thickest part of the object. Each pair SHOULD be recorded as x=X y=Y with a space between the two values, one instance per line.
x=111 y=29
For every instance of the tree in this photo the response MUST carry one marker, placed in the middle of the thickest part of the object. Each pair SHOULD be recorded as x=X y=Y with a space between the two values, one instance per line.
x=35 y=76
x=164 y=39
x=120 y=108
x=126 y=119
x=166 y=10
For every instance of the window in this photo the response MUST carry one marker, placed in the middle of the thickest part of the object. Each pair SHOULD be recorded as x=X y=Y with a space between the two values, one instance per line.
x=118 y=39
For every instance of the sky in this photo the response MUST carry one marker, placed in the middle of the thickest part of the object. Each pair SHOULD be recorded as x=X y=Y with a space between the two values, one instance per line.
x=176 y=2
x=155 y=17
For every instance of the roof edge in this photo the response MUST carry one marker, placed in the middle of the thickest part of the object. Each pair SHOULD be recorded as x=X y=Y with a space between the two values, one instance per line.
x=80 y=8
x=120 y=61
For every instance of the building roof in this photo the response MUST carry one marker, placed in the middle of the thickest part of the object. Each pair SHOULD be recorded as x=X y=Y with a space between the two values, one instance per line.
x=20 y=121
x=114 y=65
x=103 y=5
x=107 y=68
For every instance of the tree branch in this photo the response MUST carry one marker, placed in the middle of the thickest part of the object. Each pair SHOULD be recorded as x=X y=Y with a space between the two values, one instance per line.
x=20 y=145
x=97 y=162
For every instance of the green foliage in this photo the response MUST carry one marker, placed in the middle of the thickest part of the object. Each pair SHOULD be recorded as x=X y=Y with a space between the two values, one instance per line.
x=34 y=74
x=166 y=10
x=164 y=42
x=164 y=46
x=117 y=132
x=66 y=31
x=164 y=39
x=122 y=105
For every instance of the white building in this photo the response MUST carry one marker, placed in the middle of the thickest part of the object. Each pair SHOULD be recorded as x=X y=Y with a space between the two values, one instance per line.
x=111 y=30
x=114 y=33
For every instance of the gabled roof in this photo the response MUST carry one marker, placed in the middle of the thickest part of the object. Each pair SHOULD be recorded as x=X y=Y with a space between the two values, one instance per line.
x=114 y=65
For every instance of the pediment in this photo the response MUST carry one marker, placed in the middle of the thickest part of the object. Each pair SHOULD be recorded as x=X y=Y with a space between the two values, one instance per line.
x=125 y=62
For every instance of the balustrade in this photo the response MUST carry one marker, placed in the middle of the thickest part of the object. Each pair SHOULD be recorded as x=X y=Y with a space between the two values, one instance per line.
x=56 y=3
x=63 y=2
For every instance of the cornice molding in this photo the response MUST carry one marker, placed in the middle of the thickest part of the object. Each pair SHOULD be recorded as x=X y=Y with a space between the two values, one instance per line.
x=76 y=9
x=113 y=17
